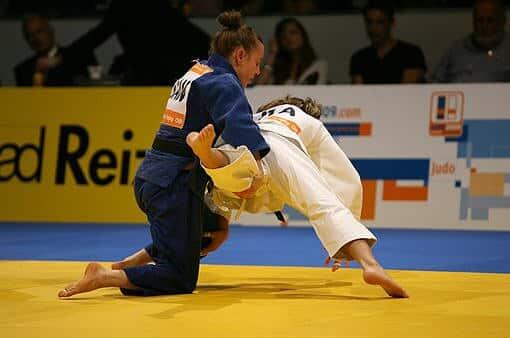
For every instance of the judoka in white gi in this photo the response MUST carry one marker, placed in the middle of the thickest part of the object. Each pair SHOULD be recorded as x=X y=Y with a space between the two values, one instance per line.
x=305 y=169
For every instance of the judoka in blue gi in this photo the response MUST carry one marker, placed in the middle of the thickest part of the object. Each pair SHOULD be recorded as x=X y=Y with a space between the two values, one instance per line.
x=169 y=185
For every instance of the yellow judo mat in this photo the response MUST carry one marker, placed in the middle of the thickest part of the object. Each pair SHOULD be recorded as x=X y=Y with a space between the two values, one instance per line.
x=248 y=301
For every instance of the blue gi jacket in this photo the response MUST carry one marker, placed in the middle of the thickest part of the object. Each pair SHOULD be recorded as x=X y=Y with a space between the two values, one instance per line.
x=216 y=97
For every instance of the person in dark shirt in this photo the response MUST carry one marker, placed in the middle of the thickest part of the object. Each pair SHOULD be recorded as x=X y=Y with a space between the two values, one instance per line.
x=386 y=60
x=159 y=43
x=42 y=68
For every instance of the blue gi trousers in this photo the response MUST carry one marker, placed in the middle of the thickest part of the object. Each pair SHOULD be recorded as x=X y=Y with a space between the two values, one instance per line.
x=174 y=214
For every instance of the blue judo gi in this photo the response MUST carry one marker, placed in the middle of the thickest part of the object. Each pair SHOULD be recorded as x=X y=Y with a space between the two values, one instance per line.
x=172 y=196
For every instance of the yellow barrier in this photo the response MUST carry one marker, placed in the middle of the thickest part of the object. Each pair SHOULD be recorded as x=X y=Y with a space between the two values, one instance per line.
x=71 y=154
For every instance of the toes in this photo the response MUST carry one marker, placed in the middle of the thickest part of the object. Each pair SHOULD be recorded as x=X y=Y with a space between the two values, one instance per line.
x=67 y=292
x=336 y=265
x=209 y=132
x=203 y=136
x=190 y=138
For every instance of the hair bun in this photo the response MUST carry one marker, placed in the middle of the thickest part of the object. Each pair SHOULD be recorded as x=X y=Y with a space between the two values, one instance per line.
x=230 y=19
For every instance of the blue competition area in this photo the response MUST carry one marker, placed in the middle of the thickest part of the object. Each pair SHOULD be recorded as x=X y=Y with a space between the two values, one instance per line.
x=439 y=250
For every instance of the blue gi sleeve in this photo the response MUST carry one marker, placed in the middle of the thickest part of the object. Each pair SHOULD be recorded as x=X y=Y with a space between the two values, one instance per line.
x=228 y=106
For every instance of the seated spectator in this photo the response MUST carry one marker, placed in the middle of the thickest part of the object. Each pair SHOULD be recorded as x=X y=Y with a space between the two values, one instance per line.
x=483 y=55
x=42 y=68
x=386 y=60
x=292 y=60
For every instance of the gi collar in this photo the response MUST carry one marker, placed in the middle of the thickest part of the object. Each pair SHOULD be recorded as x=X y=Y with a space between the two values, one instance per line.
x=218 y=61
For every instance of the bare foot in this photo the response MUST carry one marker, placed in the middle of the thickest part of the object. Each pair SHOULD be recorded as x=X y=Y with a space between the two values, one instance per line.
x=201 y=142
x=92 y=280
x=375 y=275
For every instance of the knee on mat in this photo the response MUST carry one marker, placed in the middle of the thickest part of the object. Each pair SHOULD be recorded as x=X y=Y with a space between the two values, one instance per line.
x=189 y=286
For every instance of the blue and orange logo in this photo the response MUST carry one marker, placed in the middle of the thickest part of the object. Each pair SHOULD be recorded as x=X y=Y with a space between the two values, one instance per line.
x=446 y=113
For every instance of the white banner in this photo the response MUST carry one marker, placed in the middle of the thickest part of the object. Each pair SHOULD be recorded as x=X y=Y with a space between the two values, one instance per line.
x=430 y=156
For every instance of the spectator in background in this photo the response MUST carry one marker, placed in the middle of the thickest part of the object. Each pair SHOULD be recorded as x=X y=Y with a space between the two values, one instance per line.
x=483 y=55
x=292 y=59
x=42 y=68
x=158 y=41
x=386 y=60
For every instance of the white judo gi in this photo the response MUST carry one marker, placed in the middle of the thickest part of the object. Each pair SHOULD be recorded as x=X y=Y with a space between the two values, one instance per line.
x=305 y=169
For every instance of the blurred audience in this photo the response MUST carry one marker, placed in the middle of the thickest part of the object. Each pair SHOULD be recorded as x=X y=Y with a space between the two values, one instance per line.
x=386 y=60
x=93 y=8
x=158 y=41
x=43 y=68
x=291 y=58
x=483 y=55
x=247 y=7
x=200 y=7
x=300 y=6
x=53 y=8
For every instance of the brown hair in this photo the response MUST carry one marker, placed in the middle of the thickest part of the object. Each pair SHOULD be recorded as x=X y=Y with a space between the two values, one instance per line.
x=308 y=105
x=284 y=60
x=234 y=34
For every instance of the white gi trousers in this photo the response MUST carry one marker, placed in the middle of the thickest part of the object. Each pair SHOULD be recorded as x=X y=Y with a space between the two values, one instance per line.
x=292 y=178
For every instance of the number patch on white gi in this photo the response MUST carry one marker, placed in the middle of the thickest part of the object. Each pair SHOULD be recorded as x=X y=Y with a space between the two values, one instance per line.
x=276 y=115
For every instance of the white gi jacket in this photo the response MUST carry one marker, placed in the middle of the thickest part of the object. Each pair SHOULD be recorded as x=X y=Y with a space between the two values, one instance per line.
x=305 y=169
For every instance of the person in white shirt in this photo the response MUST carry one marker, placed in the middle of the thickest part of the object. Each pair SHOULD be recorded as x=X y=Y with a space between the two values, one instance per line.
x=305 y=169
